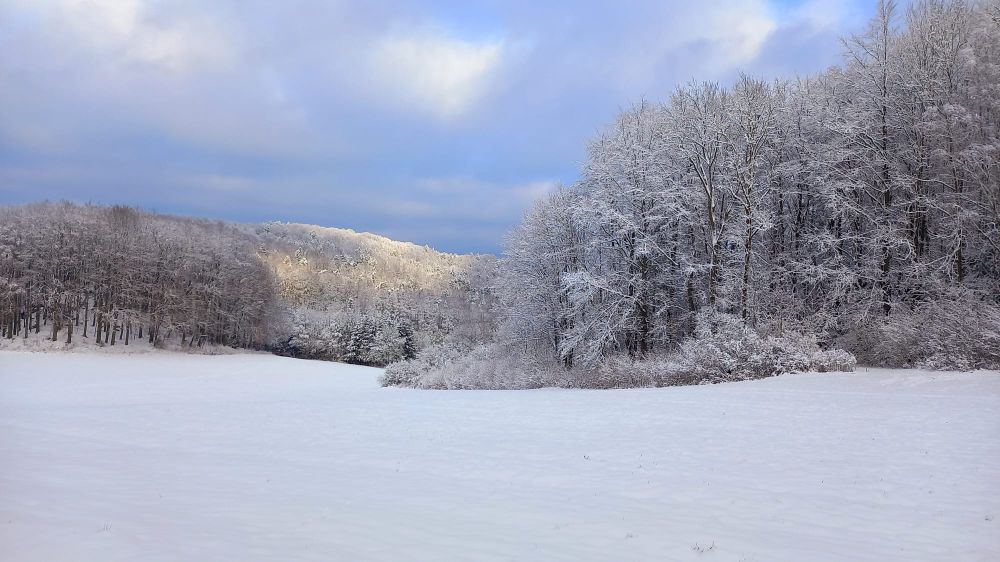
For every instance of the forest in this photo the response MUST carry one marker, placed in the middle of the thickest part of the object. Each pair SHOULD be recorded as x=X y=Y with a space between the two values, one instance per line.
x=114 y=274
x=733 y=232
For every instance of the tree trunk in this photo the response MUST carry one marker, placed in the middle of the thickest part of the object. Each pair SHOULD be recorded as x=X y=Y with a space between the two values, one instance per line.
x=55 y=327
x=69 y=328
x=747 y=257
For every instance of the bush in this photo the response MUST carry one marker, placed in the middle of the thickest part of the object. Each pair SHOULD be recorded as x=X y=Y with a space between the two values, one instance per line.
x=722 y=350
x=622 y=371
x=431 y=360
x=451 y=367
x=834 y=360
x=962 y=333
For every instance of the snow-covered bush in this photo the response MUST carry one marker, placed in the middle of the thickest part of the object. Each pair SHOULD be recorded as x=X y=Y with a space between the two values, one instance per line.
x=453 y=366
x=427 y=363
x=722 y=350
x=958 y=334
x=403 y=373
x=832 y=360
x=793 y=351
x=622 y=371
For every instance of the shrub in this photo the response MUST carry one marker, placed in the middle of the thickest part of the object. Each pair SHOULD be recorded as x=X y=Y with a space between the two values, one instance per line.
x=833 y=360
x=722 y=350
x=431 y=360
x=962 y=333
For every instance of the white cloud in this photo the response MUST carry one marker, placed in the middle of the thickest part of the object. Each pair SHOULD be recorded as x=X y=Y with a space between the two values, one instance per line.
x=440 y=74
x=742 y=32
x=176 y=71
x=129 y=32
x=707 y=39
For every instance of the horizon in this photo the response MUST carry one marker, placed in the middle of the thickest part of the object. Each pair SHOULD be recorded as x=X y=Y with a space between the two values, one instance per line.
x=437 y=124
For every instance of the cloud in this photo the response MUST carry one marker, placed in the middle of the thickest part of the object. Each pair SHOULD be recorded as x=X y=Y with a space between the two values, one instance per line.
x=431 y=70
x=436 y=121
x=93 y=73
x=725 y=34
x=124 y=32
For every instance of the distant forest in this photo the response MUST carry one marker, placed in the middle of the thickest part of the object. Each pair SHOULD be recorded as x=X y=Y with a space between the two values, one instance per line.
x=115 y=274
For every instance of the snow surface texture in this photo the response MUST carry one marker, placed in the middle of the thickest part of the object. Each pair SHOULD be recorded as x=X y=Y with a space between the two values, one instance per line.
x=166 y=456
x=42 y=343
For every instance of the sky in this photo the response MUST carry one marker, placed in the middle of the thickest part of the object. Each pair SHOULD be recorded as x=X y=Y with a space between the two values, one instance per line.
x=432 y=121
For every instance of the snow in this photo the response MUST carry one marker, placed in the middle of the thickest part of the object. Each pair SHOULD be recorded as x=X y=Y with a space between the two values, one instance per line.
x=166 y=456
x=42 y=342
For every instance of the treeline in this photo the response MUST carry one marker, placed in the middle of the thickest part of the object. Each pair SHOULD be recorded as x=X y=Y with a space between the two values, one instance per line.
x=115 y=274
x=859 y=208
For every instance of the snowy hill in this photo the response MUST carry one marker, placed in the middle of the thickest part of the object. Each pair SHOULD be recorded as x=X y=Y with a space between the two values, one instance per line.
x=314 y=261
x=340 y=273
x=302 y=290
x=168 y=456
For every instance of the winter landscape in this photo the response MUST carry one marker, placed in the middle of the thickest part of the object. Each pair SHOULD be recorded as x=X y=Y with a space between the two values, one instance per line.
x=452 y=281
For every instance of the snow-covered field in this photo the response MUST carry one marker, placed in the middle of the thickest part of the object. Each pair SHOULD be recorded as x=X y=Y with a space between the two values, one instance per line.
x=166 y=456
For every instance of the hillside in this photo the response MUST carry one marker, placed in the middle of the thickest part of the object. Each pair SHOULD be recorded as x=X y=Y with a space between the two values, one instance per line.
x=331 y=277
x=299 y=290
